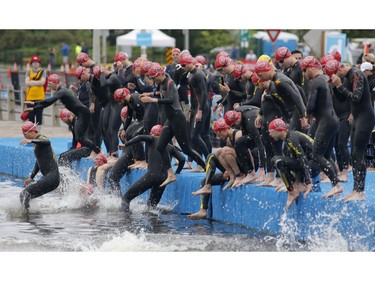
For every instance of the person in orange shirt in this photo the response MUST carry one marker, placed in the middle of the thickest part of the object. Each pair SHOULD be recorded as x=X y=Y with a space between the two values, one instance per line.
x=35 y=78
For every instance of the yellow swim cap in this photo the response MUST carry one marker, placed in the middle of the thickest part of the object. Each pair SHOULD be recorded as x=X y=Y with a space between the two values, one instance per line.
x=266 y=58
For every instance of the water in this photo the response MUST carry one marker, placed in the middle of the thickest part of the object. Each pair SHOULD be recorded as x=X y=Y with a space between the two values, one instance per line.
x=61 y=222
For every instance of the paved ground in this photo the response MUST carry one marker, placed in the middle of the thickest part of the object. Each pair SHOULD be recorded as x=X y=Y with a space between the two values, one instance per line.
x=12 y=129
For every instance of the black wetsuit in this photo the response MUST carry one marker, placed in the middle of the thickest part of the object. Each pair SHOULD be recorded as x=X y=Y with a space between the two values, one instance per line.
x=156 y=174
x=320 y=106
x=111 y=114
x=357 y=90
x=176 y=125
x=271 y=108
x=252 y=134
x=298 y=163
x=237 y=93
x=254 y=99
x=126 y=76
x=205 y=133
x=179 y=76
x=212 y=178
x=199 y=101
x=151 y=111
x=290 y=98
x=46 y=164
x=74 y=105
x=128 y=156
x=341 y=104
x=73 y=154
x=86 y=96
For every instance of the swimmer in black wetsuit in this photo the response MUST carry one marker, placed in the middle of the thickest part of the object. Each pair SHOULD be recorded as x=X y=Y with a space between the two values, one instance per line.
x=289 y=94
x=297 y=167
x=176 y=125
x=131 y=156
x=357 y=90
x=73 y=104
x=229 y=155
x=211 y=179
x=320 y=106
x=45 y=163
x=111 y=120
x=76 y=151
x=244 y=118
x=156 y=173
x=200 y=109
x=271 y=108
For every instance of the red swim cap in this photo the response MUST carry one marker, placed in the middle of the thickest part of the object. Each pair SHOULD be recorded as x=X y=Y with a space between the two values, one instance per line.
x=277 y=125
x=262 y=66
x=82 y=58
x=120 y=94
x=54 y=78
x=65 y=114
x=28 y=127
x=282 y=53
x=220 y=125
x=156 y=130
x=25 y=115
x=231 y=117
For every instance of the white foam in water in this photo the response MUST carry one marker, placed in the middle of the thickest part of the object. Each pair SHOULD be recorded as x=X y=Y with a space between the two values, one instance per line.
x=129 y=242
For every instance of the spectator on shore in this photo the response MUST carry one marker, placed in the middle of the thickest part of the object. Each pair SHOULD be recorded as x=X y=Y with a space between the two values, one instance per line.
x=250 y=55
x=65 y=52
x=35 y=78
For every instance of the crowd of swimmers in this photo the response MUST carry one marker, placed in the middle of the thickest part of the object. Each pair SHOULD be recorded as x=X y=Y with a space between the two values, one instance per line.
x=285 y=123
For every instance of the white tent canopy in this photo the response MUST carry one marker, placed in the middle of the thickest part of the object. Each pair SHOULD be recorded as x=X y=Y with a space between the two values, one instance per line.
x=158 y=38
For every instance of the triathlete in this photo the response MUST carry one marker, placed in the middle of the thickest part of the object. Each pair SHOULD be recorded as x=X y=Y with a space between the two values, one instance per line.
x=176 y=125
x=74 y=105
x=296 y=168
x=356 y=88
x=320 y=107
x=156 y=173
x=45 y=163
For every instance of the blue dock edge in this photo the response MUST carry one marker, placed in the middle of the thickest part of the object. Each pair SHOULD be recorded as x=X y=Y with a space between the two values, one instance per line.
x=259 y=208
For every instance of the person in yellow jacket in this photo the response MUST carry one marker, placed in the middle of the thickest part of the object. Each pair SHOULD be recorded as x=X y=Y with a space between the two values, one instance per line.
x=35 y=79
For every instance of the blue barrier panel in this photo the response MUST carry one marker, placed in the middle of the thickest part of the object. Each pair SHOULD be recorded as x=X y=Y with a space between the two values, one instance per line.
x=260 y=208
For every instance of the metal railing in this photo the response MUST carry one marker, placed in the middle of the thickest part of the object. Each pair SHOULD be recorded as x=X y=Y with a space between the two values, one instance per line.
x=12 y=97
x=11 y=107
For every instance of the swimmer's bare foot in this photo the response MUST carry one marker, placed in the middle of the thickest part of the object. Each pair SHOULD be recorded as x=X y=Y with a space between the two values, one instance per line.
x=230 y=182
x=171 y=178
x=201 y=214
x=307 y=190
x=294 y=194
x=267 y=182
x=281 y=187
x=237 y=182
x=188 y=165
x=206 y=189
x=343 y=177
x=354 y=196
x=250 y=178
x=168 y=181
x=324 y=178
x=276 y=182
x=336 y=190
x=197 y=169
